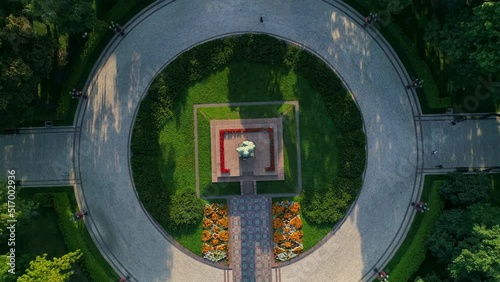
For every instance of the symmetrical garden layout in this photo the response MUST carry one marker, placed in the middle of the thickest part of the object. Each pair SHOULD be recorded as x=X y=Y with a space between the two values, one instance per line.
x=399 y=141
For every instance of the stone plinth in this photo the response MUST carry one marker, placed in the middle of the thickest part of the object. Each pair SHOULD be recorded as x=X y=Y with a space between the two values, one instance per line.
x=267 y=134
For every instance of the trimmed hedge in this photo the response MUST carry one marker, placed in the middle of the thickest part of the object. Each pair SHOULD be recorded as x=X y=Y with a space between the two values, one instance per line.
x=73 y=237
x=412 y=252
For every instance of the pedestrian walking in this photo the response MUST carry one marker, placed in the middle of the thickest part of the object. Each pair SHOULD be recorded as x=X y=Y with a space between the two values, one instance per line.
x=420 y=206
x=439 y=166
x=371 y=18
x=116 y=28
x=261 y=19
x=416 y=83
x=124 y=279
x=79 y=215
x=382 y=275
x=434 y=152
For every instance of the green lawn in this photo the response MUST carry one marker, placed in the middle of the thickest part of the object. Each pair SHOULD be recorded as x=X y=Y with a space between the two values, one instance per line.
x=250 y=82
x=268 y=111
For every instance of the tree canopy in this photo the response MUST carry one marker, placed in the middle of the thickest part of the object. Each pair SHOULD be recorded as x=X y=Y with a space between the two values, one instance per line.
x=463 y=190
x=55 y=270
x=469 y=36
x=22 y=211
x=480 y=262
x=69 y=16
x=25 y=60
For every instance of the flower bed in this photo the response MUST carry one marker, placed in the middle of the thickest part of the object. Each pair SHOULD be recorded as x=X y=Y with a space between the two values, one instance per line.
x=215 y=235
x=287 y=235
x=223 y=132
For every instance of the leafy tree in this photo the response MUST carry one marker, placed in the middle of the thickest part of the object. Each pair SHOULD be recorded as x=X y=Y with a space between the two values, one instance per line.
x=186 y=209
x=56 y=270
x=329 y=206
x=26 y=59
x=480 y=262
x=471 y=37
x=21 y=212
x=463 y=190
x=69 y=16
x=450 y=234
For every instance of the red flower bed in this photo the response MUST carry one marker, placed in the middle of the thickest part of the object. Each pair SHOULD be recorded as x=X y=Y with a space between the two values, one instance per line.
x=223 y=132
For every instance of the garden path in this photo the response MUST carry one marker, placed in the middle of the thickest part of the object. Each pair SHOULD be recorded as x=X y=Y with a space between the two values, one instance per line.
x=250 y=236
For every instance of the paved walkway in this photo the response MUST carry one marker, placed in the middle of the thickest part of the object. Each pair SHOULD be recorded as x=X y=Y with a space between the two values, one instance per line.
x=473 y=143
x=40 y=156
x=397 y=150
x=250 y=236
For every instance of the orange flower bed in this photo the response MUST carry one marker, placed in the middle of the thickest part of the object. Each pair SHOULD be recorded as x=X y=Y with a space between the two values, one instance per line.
x=296 y=222
x=277 y=223
x=215 y=234
x=287 y=235
x=207 y=223
x=206 y=235
x=223 y=222
x=278 y=237
x=224 y=236
x=295 y=207
x=206 y=248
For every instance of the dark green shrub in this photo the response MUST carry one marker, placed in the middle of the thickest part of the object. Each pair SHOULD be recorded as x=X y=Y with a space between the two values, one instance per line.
x=325 y=208
x=354 y=138
x=351 y=161
x=466 y=189
x=452 y=227
x=186 y=209
x=74 y=239
x=150 y=187
x=44 y=199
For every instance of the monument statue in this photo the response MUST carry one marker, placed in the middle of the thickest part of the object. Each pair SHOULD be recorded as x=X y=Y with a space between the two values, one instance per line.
x=246 y=149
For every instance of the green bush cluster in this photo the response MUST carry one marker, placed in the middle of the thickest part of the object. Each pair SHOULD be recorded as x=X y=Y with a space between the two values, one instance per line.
x=329 y=205
x=465 y=190
x=75 y=240
x=186 y=209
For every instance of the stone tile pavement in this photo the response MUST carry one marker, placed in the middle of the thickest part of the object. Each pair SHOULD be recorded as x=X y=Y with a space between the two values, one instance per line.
x=250 y=237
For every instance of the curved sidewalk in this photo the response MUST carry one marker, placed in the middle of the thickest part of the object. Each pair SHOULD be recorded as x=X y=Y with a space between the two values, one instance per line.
x=127 y=236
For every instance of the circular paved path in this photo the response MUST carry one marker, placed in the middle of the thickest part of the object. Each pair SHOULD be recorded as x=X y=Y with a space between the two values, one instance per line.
x=377 y=220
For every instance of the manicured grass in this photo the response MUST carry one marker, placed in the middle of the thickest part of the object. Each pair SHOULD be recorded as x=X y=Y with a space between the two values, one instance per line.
x=250 y=82
x=313 y=233
x=189 y=238
x=248 y=112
